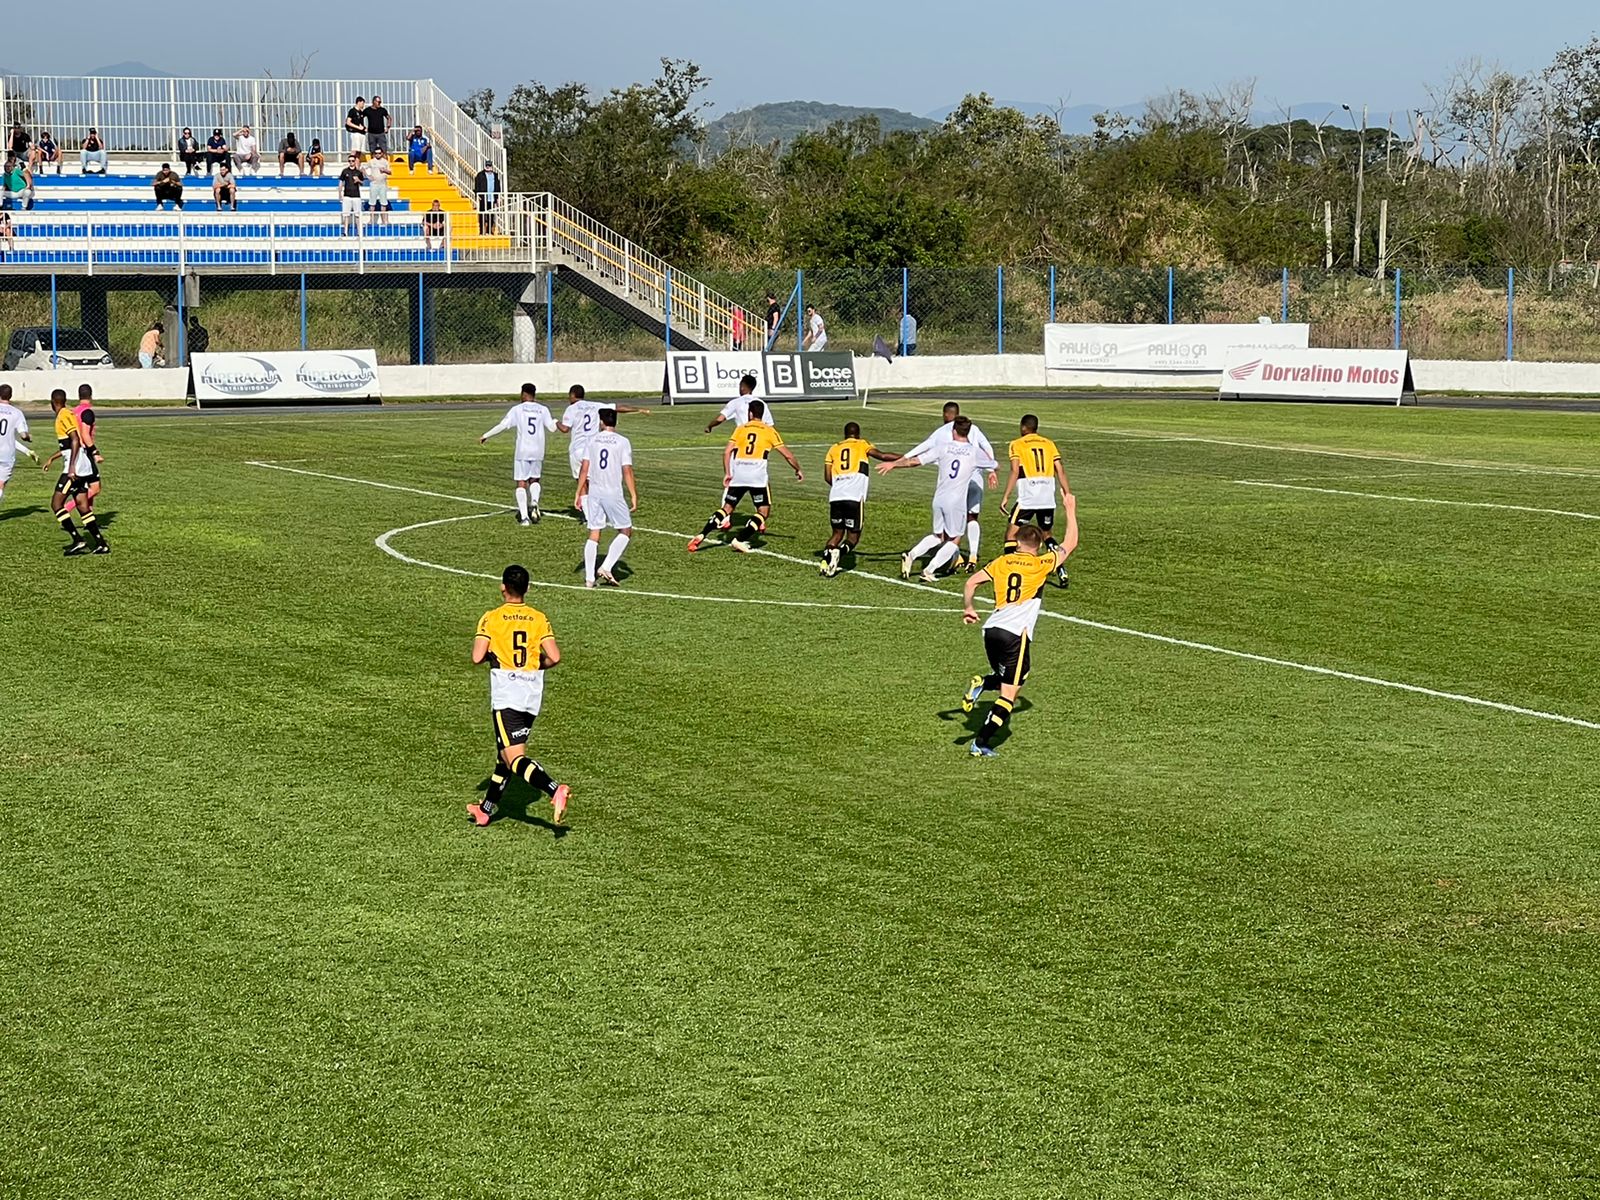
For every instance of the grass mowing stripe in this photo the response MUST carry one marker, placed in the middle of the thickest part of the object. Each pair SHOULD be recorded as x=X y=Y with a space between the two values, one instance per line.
x=1523 y=508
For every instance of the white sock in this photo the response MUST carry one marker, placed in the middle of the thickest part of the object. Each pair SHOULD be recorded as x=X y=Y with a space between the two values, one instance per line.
x=925 y=546
x=974 y=530
x=522 y=502
x=591 y=550
x=946 y=553
x=614 y=553
x=534 y=491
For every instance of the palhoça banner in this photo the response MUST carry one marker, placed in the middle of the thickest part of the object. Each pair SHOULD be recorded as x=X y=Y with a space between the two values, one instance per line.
x=286 y=375
x=1369 y=376
x=1169 y=349
x=715 y=374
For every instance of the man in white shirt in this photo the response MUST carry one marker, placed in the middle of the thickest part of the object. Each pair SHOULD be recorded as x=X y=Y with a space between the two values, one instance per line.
x=737 y=410
x=958 y=462
x=986 y=462
x=246 y=152
x=816 y=331
x=581 y=421
x=377 y=172
x=13 y=433
x=532 y=421
x=607 y=468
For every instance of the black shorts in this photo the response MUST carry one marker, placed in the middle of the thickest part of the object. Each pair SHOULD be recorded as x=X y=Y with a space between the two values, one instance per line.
x=64 y=484
x=845 y=514
x=1044 y=518
x=512 y=727
x=81 y=484
x=758 y=496
x=1009 y=654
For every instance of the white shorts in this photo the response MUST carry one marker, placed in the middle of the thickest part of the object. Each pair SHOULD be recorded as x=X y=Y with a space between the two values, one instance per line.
x=350 y=206
x=575 y=459
x=6 y=467
x=949 y=515
x=820 y=344
x=527 y=468
x=974 y=494
x=358 y=143
x=601 y=511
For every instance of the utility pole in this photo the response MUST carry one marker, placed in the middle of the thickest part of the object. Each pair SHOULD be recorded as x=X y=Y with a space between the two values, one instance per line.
x=1361 y=181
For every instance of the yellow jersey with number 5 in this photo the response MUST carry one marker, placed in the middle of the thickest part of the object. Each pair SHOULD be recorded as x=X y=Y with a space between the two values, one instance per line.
x=515 y=632
x=1019 y=580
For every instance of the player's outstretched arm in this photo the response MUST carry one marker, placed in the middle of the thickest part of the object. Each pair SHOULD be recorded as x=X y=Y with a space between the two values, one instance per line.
x=505 y=424
x=969 y=614
x=1069 y=538
x=629 y=408
x=904 y=460
x=718 y=420
x=549 y=654
x=884 y=455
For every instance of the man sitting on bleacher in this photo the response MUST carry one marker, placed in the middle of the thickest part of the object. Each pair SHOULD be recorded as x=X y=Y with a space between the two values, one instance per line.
x=46 y=151
x=246 y=152
x=18 y=184
x=289 y=152
x=93 y=157
x=216 y=152
x=418 y=148
x=189 y=152
x=224 y=190
x=168 y=186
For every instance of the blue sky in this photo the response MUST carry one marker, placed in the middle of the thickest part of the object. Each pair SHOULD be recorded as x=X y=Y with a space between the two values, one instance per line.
x=917 y=57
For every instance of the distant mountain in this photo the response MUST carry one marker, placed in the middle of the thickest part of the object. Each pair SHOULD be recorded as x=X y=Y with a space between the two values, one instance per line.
x=785 y=121
x=130 y=70
x=1079 y=118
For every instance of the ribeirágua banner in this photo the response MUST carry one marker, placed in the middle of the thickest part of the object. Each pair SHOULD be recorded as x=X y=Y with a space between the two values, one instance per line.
x=1167 y=349
x=715 y=375
x=1372 y=376
x=286 y=375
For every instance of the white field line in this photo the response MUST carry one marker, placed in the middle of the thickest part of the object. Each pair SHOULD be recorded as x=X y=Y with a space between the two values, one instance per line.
x=1523 y=508
x=1104 y=627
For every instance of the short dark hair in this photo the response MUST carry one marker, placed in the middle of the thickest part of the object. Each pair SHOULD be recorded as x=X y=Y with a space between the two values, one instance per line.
x=529 y=390
x=5 y=391
x=962 y=425
x=576 y=391
x=515 y=579
x=361 y=99
x=747 y=383
x=58 y=394
x=1030 y=535
x=608 y=417
x=851 y=429
x=85 y=392
x=772 y=295
x=1030 y=423
x=951 y=407
x=757 y=409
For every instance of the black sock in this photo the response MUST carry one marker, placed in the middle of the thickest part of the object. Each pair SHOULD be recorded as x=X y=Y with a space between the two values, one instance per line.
x=991 y=683
x=496 y=788
x=714 y=524
x=752 y=528
x=1050 y=543
x=71 y=530
x=999 y=716
x=531 y=773
x=93 y=527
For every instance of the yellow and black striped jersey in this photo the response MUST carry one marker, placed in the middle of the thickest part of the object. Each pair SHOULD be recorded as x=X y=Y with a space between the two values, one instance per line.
x=848 y=462
x=1019 y=579
x=66 y=426
x=1036 y=458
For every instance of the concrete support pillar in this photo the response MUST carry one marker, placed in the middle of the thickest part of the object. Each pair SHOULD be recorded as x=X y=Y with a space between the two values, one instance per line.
x=528 y=319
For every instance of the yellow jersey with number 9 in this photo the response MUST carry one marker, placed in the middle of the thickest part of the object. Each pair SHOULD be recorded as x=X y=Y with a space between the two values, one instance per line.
x=847 y=461
x=1019 y=580
x=515 y=632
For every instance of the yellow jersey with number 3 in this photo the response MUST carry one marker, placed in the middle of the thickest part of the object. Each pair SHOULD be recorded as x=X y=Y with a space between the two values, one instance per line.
x=847 y=461
x=752 y=442
x=1019 y=580
x=515 y=632
x=1036 y=458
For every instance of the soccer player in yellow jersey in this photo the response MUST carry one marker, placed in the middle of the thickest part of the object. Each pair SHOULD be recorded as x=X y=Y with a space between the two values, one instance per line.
x=518 y=644
x=1019 y=577
x=1035 y=470
x=845 y=471
x=70 y=440
x=744 y=473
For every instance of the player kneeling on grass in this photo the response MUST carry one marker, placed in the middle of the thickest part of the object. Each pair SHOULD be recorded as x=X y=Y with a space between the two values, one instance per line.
x=744 y=473
x=846 y=473
x=1019 y=577
x=607 y=466
x=1035 y=470
x=518 y=644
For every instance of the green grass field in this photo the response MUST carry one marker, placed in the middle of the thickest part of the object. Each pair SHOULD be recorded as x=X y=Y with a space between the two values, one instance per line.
x=1210 y=925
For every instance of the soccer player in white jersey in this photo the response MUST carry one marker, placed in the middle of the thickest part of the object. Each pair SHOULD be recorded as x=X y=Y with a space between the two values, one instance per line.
x=13 y=434
x=607 y=468
x=737 y=410
x=532 y=421
x=958 y=462
x=581 y=420
x=929 y=447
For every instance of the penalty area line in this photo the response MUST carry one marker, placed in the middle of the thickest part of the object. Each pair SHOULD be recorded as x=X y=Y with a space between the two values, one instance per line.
x=1327 y=491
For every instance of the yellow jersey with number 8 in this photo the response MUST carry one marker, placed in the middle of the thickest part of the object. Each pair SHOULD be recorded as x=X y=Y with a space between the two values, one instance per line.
x=1019 y=580
x=515 y=632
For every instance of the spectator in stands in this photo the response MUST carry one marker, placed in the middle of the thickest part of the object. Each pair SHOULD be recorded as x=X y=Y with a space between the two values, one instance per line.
x=774 y=315
x=246 y=152
x=418 y=148
x=225 y=189
x=378 y=171
x=93 y=154
x=6 y=235
x=18 y=184
x=150 y=347
x=355 y=124
x=487 y=189
x=434 y=223
x=377 y=119
x=45 y=151
x=216 y=152
x=189 y=151
x=350 y=180
x=316 y=158
x=168 y=185
x=21 y=143
x=289 y=152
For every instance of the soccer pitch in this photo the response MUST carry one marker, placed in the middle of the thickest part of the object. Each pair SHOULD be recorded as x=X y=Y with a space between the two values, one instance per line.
x=1284 y=882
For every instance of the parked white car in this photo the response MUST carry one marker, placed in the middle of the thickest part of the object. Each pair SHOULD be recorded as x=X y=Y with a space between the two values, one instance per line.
x=74 y=350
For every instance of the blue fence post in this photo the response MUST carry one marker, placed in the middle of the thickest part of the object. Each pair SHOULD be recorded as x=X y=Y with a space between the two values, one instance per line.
x=1286 y=295
x=905 y=305
x=55 y=322
x=1397 y=308
x=302 y=310
x=1511 y=313
x=799 y=310
x=1052 y=294
x=669 y=310
x=999 y=310
x=422 y=323
x=550 y=315
x=1169 y=295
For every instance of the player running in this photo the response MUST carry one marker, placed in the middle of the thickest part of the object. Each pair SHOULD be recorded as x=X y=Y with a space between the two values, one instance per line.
x=1019 y=578
x=607 y=466
x=532 y=421
x=69 y=490
x=13 y=437
x=1035 y=470
x=986 y=462
x=581 y=419
x=846 y=472
x=744 y=473
x=518 y=644
x=737 y=410
x=958 y=459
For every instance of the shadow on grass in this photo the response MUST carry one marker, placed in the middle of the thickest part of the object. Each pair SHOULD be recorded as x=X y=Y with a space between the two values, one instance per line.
x=14 y=514
x=973 y=721
x=514 y=807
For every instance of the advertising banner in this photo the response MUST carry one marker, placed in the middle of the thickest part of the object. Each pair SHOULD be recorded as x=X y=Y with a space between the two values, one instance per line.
x=715 y=374
x=1359 y=376
x=285 y=375
x=1166 y=349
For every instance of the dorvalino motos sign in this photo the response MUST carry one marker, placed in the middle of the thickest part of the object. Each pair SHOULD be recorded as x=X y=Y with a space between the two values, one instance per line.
x=1359 y=376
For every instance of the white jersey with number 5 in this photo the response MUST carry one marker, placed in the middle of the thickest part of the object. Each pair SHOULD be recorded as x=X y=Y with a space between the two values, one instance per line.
x=13 y=426
x=608 y=452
